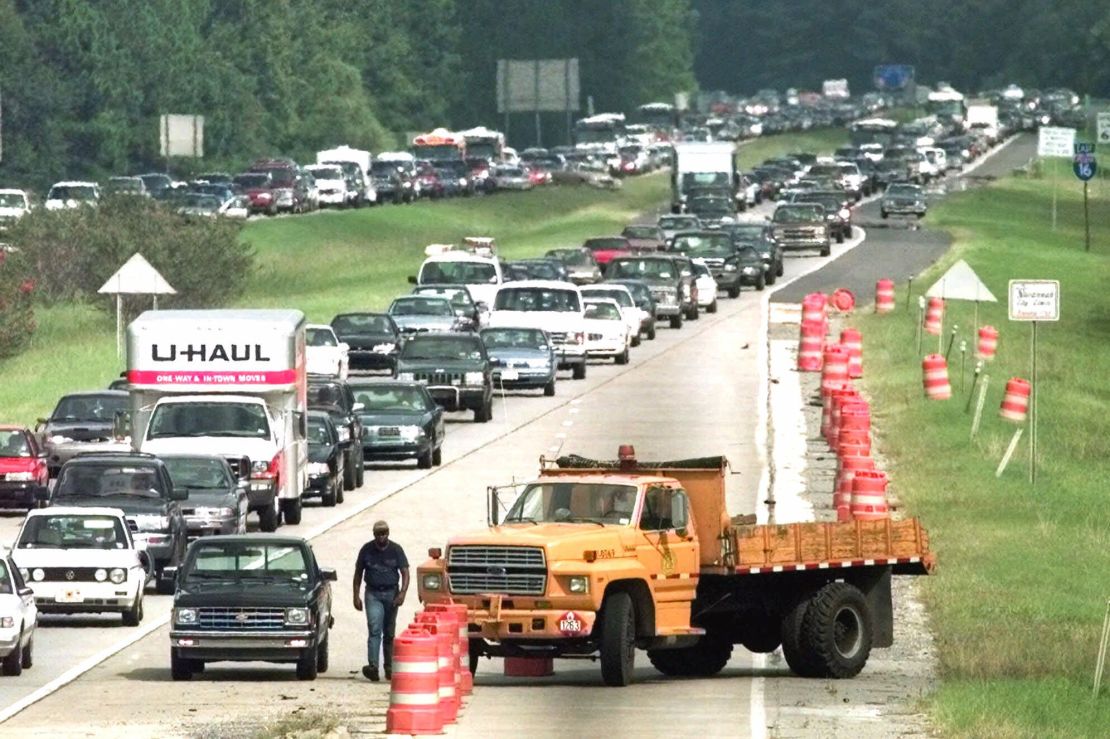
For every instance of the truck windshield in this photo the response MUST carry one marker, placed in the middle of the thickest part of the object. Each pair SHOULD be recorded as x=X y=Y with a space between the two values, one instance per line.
x=209 y=419
x=537 y=299
x=645 y=269
x=89 y=407
x=572 y=502
x=241 y=560
x=198 y=473
x=792 y=213
x=72 y=532
x=461 y=273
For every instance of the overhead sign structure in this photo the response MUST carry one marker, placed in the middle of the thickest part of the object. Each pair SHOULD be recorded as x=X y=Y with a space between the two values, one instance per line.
x=530 y=85
x=1053 y=141
x=1104 y=127
x=1034 y=300
x=1084 y=163
x=181 y=135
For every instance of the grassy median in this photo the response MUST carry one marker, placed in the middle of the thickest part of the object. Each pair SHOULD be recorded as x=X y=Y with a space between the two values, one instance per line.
x=327 y=263
x=1018 y=601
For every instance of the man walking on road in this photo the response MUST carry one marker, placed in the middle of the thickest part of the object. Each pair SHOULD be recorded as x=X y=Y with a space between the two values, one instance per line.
x=384 y=565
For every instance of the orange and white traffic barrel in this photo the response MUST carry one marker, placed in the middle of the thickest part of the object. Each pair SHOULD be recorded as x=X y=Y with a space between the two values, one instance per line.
x=827 y=407
x=934 y=316
x=988 y=342
x=810 y=346
x=846 y=469
x=851 y=403
x=884 y=296
x=1015 y=403
x=843 y=299
x=852 y=340
x=869 y=496
x=815 y=307
x=466 y=680
x=444 y=628
x=935 y=377
x=414 y=686
x=835 y=369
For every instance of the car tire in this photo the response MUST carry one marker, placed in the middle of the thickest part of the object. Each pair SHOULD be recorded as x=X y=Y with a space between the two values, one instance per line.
x=694 y=314
x=712 y=307
x=338 y=492
x=133 y=616
x=761 y=284
x=636 y=340
x=13 y=663
x=181 y=668
x=622 y=358
x=27 y=654
x=437 y=456
x=360 y=468
x=291 y=511
x=770 y=277
x=781 y=269
x=580 y=371
x=676 y=321
x=734 y=292
x=424 y=461
x=826 y=250
x=268 y=518
x=840 y=237
x=328 y=498
x=484 y=413
x=349 y=473
x=307 y=664
x=322 y=657
x=651 y=333
x=162 y=586
x=549 y=389
x=618 y=640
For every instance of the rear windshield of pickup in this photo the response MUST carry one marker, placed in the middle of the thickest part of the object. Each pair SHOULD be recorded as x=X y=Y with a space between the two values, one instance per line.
x=103 y=479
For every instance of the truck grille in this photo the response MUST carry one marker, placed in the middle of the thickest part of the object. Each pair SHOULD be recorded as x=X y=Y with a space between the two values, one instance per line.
x=486 y=569
x=240 y=619
x=800 y=233
x=439 y=378
x=70 y=574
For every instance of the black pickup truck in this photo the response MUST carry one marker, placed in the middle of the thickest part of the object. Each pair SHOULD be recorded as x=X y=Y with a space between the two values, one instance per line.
x=248 y=598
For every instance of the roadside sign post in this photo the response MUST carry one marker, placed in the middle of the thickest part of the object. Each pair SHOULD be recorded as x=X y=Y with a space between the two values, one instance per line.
x=1054 y=141
x=1034 y=301
x=1085 y=166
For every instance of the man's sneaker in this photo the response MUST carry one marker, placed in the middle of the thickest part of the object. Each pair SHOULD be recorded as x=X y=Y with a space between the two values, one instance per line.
x=388 y=672
x=371 y=673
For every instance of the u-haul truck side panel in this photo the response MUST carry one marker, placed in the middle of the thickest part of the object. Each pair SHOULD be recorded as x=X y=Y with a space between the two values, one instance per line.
x=208 y=357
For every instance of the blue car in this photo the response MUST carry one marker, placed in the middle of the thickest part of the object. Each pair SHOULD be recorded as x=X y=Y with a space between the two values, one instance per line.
x=522 y=358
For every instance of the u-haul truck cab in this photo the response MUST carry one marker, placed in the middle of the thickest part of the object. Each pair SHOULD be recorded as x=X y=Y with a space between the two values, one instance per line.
x=230 y=383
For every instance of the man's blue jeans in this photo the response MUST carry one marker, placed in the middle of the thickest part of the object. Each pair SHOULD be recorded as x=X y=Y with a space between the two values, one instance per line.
x=381 y=622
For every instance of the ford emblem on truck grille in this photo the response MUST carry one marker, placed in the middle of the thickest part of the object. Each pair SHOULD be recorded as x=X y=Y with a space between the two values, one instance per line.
x=500 y=571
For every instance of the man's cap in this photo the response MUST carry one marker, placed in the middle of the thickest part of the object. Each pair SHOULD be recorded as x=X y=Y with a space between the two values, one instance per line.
x=381 y=526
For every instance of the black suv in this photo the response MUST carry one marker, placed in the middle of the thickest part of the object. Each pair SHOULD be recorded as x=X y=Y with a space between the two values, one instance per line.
x=671 y=279
x=456 y=369
x=138 y=484
x=336 y=399
x=250 y=597
x=759 y=236
x=716 y=250
x=373 y=338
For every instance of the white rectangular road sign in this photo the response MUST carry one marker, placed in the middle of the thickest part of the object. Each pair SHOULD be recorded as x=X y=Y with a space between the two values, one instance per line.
x=1034 y=300
x=1055 y=142
x=1104 y=127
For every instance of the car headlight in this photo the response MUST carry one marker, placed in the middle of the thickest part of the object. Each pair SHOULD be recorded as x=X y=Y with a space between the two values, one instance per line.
x=259 y=467
x=411 y=433
x=38 y=574
x=222 y=512
x=474 y=378
x=385 y=348
x=431 y=581
x=21 y=476
x=730 y=267
x=539 y=363
x=101 y=574
x=406 y=376
x=59 y=439
x=749 y=270
x=296 y=616
x=7 y=622
x=117 y=575
x=152 y=523
x=343 y=433
x=185 y=616
x=579 y=584
x=462 y=182
x=317 y=468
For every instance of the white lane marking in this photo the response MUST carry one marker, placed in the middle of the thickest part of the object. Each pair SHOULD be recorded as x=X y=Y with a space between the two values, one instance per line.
x=757 y=709
x=560 y=435
x=568 y=424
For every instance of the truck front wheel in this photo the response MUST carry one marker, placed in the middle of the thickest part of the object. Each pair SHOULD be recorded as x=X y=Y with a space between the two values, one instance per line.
x=291 y=511
x=618 y=640
x=705 y=659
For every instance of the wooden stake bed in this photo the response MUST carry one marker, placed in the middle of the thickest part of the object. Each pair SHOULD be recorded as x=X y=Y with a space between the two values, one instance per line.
x=903 y=545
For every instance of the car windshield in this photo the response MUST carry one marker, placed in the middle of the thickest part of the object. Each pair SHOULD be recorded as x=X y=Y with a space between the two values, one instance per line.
x=537 y=299
x=252 y=180
x=89 y=407
x=904 y=191
x=390 y=397
x=421 y=307
x=623 y=298
x=675 y=223
x=459 y=296
x=514 y=338
x=831 y=201
x=540 y=270
x=13 y=443
x=102 y=479
x=362 y=323
x=641 y=232
x=656 y=269
x=124 y=184
x=209 y=419
x=72 y=531
x=247 y=560
x=602 y=311
x=199 y=201
x=320 y=431
x=71 y=192
x=12 y=200
x=325 y=393
x=574 y=502
x=744 y=232
x=640 y=291
x=199 y=473
x=320 y=337
x=448 y=348
x=748 y=253
x=326 y=173
x=717 y=245
x=790 y=213
x=574 y=257
x=824 y=170
x=618 y=242
x=463 y=273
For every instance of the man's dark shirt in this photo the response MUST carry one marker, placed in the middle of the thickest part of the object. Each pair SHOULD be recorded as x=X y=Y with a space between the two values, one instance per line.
x=380 y=567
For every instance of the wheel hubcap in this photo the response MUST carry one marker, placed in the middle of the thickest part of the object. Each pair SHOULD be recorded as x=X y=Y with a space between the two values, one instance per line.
x=847 y=632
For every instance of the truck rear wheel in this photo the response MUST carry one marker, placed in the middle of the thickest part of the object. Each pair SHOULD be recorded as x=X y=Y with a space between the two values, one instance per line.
x=705 y=659
x=798 y=654
x=618 y=641
x=837 y=630
x=291 y=511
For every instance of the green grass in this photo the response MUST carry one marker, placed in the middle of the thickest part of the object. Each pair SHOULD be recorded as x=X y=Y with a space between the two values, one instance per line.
x=325 y=264
x=820 y=141
x=1024 y=571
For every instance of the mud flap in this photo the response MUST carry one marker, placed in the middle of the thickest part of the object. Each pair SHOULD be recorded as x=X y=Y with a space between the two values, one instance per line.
x=875 y=584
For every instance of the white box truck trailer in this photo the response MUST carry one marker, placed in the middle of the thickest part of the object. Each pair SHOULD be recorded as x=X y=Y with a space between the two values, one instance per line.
x=230 y=383
x=702 y=166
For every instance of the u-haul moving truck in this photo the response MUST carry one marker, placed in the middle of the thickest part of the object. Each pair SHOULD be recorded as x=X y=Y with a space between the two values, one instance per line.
x=230 y=383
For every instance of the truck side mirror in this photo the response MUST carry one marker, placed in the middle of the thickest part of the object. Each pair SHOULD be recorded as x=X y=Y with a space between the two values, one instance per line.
x=121 y=425
x=412 y=279
x=328 y=574
x=179 y=493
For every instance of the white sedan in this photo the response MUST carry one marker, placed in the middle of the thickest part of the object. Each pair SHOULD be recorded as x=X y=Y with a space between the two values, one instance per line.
x=325 y=354
x=607 y=334
x=82 y=560
x=707 y=287
x=633 y=316
x=18 y=618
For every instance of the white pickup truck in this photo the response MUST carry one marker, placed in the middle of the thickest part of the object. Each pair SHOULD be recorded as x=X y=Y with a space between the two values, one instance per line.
x=555 y=307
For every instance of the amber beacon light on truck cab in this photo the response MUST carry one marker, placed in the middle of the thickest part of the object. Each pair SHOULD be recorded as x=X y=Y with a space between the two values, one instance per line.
x=597 y=559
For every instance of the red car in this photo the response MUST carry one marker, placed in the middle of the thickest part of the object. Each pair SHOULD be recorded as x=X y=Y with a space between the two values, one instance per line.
x=538 y=175
x=22 y=467
x=606 y=248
